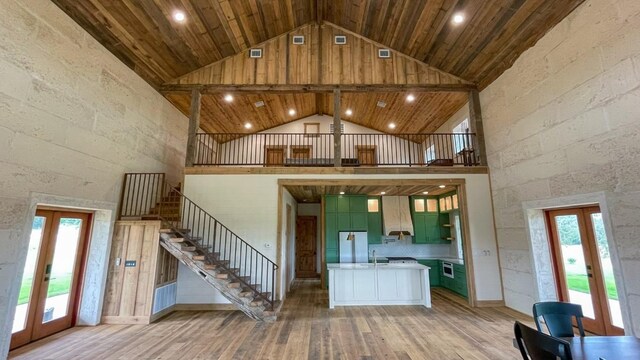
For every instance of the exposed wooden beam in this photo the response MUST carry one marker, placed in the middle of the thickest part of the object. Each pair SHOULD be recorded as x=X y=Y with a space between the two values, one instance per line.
x=337 y=135
x=194 y=124
x=319 y=11
x=475 y=124
x=256 y=89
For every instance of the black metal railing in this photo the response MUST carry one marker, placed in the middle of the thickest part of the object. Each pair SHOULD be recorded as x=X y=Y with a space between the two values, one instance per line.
x=149 y=195
x=316 y=150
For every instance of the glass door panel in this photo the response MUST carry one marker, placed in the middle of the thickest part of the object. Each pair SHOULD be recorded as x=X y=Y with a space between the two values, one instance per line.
x=28 y=276
x=60 y=270
x=574 y=263
x=609 y=285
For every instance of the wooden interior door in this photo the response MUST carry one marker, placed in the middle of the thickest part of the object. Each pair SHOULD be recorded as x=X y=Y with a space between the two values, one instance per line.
x=306 y=237
x=583 y=267
x=367 y=155
x=52 y=276
x=274 y=156
x=301 y=152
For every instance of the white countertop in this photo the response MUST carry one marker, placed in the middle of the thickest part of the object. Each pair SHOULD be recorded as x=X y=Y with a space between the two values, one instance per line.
x=369 y=266
x=451 y=260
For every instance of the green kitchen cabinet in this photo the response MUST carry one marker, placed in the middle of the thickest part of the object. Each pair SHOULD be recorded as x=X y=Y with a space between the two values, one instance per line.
x=426 y=225
x=374 y=227
x=434 y=274
x=358 y=221
x=344 y=222
x=332 y=256
x=343 y=204
x=331 y=230
x=358 y=204
x=459 y=282
x=330 y=204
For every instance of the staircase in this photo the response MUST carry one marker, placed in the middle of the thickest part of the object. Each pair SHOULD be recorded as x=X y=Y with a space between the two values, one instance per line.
x=221 y=258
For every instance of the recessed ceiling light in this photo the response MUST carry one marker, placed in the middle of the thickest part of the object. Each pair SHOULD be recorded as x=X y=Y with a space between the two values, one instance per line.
x=292 y=112
x=392 y=126
x=442 y=186
x=410 y=98
x=381 y=104
x=425 y=192
x=458 y=18
x=248 y=126
x=259 y=103
x=382 y=192
x=349 y=112
x=179 y=16
x=228 y=98
x=341 y=192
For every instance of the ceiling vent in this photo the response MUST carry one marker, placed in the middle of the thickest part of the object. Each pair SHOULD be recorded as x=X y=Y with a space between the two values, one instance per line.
x=381 y=104
x=340 y=39
x=255 y=53
x=259 y=103
x=298 y=39
x=384 y=53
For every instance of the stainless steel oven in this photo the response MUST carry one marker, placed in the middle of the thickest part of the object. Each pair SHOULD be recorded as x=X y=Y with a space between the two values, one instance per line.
x=447 y=269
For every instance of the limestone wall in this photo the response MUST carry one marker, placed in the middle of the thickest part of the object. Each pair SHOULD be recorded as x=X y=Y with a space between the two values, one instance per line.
x=73 y=119
x=565 y=121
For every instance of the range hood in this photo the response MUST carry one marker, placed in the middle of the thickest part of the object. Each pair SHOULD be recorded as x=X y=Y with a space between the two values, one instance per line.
x=396 y=216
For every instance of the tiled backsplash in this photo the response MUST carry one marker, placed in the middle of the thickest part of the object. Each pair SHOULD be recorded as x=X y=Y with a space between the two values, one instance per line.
x=406 y=248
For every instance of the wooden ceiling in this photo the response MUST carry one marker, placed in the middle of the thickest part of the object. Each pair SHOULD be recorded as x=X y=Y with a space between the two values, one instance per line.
x=143 y=34
x=424 y=115
x=313 y=193
x=492 y=37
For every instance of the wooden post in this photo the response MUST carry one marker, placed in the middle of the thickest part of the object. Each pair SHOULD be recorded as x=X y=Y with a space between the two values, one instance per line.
x=475 y=123
x=337 y=134
x=194 y=124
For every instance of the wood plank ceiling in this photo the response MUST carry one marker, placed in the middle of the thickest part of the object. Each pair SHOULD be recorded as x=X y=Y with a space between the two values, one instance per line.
x=143 y=34
x=313 y=193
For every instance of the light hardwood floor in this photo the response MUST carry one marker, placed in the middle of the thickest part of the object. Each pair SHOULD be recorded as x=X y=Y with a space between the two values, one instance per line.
x=306 y=329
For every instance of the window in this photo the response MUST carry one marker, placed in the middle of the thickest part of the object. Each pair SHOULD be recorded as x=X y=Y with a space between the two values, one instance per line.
x=460 y=142
x=311 y=129
x=432 y=205
x=454 y=199
x=373 y=205
x=418 y=205
x=431 y=153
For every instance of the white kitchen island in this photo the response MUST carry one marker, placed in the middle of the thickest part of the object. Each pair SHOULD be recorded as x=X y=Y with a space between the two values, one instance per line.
x=378 y=284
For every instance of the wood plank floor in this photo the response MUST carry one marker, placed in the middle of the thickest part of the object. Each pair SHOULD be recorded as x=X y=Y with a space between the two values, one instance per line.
x=306 y=329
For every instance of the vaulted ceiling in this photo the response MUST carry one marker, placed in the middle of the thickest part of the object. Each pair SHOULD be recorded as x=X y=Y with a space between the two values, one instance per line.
x=144 y=36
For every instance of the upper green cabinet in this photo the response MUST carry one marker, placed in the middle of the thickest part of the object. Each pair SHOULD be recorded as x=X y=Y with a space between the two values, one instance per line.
x=426 y=220
x=331 y=204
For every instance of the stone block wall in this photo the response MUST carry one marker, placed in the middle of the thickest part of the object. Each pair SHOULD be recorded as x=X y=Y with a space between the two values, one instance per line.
x=73 y=120
x=564 y=121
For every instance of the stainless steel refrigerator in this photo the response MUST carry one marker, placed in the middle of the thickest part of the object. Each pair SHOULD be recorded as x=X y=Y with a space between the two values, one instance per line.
x=356 y=250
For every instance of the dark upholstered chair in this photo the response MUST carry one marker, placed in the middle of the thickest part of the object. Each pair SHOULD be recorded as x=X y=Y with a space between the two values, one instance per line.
x=558 y=317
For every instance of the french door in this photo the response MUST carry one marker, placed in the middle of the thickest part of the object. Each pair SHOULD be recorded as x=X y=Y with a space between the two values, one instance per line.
x=583 y=267
x=52 y=275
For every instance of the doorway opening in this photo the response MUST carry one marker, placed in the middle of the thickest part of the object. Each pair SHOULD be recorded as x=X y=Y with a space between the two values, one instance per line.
x=50 y=289
x=583 y=268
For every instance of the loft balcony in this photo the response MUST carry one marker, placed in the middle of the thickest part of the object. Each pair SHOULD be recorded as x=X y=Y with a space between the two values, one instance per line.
x=318 y=150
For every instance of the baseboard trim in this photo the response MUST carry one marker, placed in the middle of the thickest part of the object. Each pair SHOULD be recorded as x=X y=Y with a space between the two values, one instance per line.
x=125 y=320
x=204 y=307
x=489 y=303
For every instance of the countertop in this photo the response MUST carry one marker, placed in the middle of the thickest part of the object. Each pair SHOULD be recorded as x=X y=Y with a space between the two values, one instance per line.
x=451 y=260
x=369 y=266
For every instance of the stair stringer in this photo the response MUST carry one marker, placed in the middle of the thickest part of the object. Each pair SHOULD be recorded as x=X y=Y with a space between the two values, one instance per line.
x=209 y=276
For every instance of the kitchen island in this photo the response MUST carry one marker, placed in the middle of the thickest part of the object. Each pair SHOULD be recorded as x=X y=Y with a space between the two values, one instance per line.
x=378 y=284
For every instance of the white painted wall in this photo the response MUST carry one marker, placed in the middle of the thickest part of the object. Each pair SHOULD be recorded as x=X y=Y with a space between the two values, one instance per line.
x=314 y=210
x=248 y=204
x=73 y=119
x=565 y=121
